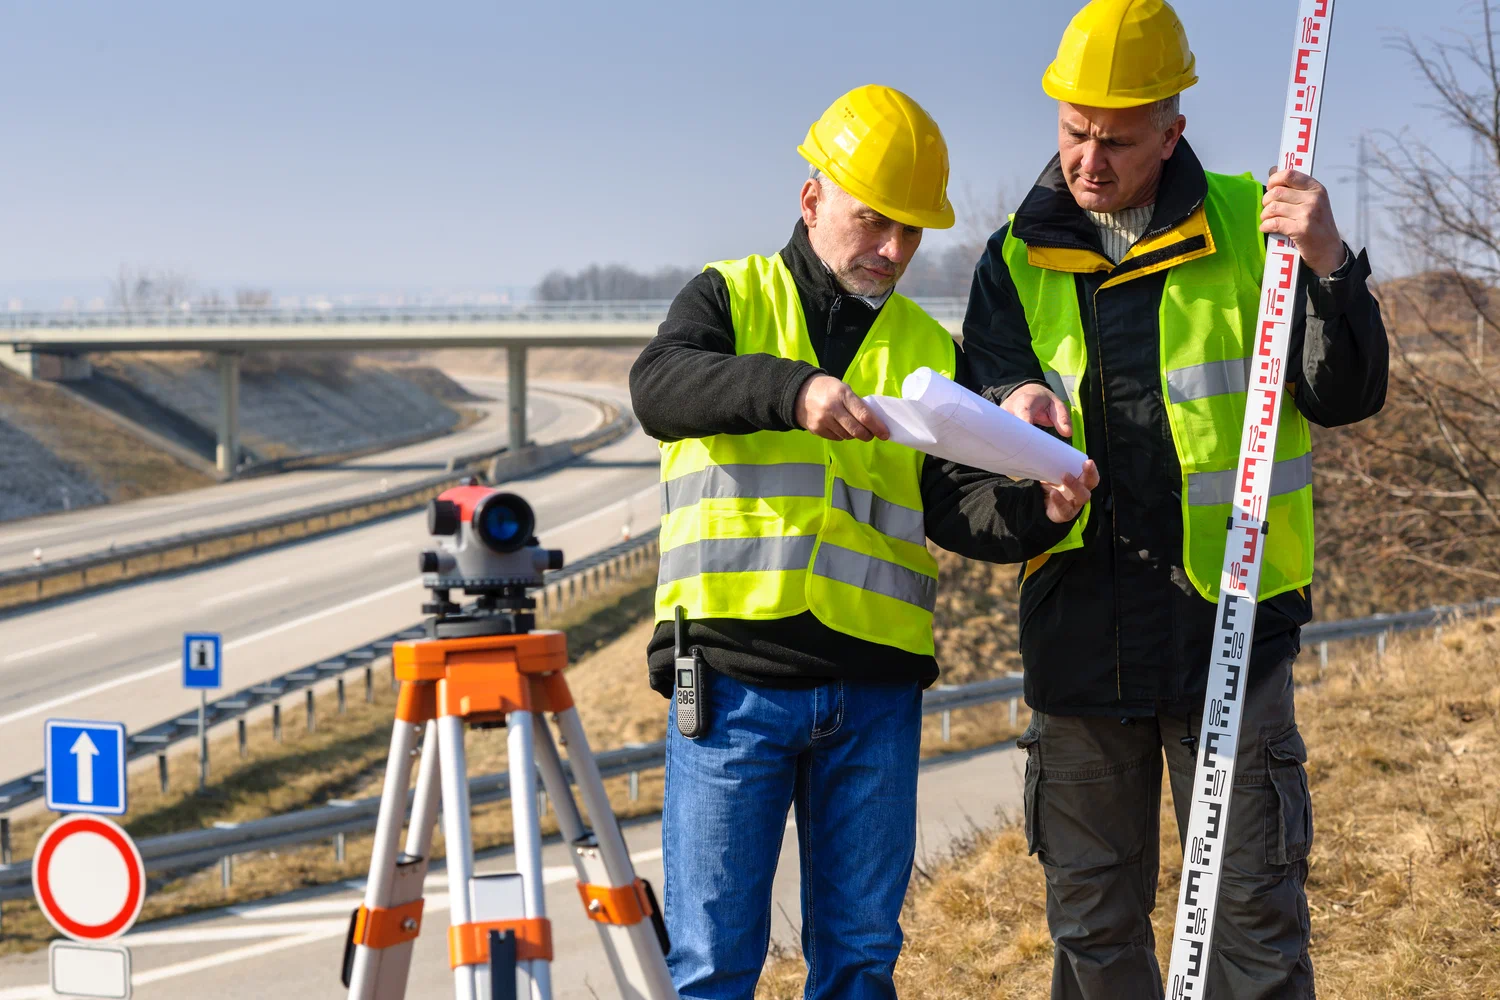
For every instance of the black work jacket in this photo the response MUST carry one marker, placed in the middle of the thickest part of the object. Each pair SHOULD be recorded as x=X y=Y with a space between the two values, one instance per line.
x=1116 y=627
x=690 y=382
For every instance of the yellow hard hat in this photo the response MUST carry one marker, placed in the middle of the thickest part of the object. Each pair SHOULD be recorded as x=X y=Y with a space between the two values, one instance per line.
x=881 y=147
x=1121 y=54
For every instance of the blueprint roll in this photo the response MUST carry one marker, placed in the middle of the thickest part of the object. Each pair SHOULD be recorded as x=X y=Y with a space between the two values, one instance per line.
x=940 y=417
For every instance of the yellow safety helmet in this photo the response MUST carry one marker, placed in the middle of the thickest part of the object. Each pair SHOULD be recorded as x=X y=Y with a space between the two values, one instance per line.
x=1121 y=54
x=881 y=147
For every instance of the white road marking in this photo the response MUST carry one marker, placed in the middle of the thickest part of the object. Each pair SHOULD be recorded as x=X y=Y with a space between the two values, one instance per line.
x=235 y=595
x=233 y=644
x=92 y=522
x=388 y=549
x=27 y=654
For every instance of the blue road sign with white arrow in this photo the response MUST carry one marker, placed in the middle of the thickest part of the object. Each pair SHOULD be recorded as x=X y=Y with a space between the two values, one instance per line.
x=202 y=660
x=85 y=766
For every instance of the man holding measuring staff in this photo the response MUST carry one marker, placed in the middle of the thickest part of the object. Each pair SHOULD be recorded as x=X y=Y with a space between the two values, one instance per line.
x=1119 y=307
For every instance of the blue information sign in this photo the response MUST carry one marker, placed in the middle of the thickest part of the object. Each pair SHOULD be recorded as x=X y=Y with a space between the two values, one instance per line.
x=85 y=766
x=202 y=660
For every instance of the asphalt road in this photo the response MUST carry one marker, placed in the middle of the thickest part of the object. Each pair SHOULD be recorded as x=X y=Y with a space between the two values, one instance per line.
x=95 y=528
x=290 y=948
x=115 y=654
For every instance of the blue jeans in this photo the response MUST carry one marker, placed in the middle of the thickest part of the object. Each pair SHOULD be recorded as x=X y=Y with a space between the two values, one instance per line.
x=845 y=755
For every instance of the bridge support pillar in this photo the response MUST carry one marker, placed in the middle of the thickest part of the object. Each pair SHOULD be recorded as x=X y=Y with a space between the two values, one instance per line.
x=228 y=451
x=516 y=369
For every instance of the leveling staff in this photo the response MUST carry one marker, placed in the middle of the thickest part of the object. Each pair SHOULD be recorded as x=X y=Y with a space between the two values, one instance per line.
x=1119 y=307
x=794 y=535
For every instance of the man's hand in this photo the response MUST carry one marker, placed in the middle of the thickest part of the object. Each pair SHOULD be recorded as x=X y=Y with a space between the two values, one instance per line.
x=832 y=410
x=1296 y=206
x=1039 y=407
x=1066 y=500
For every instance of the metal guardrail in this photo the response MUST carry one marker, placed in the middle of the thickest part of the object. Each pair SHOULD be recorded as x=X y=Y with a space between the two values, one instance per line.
x=199 y=848
x=158 y=738
x=197 y=548
x=645 y=311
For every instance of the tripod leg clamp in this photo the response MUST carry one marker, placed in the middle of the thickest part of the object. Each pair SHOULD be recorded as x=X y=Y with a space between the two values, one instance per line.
x=469 y=944
x=385 y=927
x=625 y=905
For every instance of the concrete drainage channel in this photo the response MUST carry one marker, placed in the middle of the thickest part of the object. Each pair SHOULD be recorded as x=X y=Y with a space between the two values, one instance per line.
x=333 y=822
x=31 y=584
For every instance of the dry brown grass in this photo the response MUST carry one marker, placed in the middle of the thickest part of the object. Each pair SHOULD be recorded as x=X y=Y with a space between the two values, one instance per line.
x=124 y=466
x=1404 y=885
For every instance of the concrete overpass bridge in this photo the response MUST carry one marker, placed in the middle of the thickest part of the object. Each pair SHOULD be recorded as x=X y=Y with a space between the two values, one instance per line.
x=54 y=345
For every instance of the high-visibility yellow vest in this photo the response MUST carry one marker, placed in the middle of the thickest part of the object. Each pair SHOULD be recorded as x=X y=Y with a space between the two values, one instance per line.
x=774 y=523
x=1209 y=309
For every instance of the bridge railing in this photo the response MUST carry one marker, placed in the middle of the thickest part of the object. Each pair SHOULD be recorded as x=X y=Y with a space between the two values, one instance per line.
x=644 y=311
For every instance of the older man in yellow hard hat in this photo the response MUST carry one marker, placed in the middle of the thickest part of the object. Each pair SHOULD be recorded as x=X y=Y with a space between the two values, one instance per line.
x=794 y=541
x=1118 y=307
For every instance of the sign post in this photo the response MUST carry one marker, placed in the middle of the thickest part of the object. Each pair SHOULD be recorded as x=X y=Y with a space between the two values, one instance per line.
x=90 y=884
x=203 y=671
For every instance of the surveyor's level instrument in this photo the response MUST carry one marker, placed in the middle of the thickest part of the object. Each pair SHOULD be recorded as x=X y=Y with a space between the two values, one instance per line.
x=1234 y=629
x=485 y=667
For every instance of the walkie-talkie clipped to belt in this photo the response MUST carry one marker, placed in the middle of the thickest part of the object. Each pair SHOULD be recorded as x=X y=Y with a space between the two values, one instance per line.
x=692 y=720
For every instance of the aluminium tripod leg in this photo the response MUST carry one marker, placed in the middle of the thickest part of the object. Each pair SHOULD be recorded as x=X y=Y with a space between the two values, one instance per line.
x=458 y=839
x=526 y=832
x=385 y=926
x=656 y=981
x=621 y=905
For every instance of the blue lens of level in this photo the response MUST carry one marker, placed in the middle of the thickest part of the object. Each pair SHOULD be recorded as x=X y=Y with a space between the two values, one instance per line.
x=501 y=524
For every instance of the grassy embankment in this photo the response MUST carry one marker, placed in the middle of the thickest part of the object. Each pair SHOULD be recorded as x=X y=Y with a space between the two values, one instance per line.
x=1404 y=886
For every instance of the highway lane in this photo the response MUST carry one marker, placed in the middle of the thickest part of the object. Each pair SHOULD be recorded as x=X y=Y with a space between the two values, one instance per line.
x=115 y=654
x=291 y=947
x=92 y=529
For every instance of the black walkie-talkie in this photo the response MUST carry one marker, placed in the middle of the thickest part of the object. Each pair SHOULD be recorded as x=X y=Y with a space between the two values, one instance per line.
x=689 y=687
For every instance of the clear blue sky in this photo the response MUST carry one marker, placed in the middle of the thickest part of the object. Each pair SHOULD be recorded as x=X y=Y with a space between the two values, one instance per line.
x=334 y=146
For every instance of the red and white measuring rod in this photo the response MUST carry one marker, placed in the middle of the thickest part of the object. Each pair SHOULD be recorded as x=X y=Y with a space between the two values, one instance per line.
x=1234 y=630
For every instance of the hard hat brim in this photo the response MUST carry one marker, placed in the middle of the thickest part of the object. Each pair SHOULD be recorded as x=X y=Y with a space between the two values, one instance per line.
x=940 y=218
x=1058 y=89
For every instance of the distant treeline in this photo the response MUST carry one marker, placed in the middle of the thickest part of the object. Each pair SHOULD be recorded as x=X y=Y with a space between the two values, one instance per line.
x=942 y=273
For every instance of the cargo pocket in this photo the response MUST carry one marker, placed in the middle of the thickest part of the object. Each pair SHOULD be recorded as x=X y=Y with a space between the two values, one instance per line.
x=1028 y=742
x=1289 y=806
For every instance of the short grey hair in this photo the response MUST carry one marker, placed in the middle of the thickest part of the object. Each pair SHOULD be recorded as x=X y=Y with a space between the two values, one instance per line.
x=1165 y=111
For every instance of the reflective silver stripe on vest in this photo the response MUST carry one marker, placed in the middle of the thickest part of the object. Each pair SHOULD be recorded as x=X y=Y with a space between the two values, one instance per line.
x=1214 y=378
x=876 y=575
x=1064 y=387
x=885 y=517
x=785 y=479
x=736 y=555
x=1208 y=488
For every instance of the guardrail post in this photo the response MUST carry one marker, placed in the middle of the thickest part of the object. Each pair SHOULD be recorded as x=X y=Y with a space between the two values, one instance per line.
x=244 y=736
x=1380 y=646
x=228 y=451
x=338 y=848
x=1322 y=657
x=1015 y=710
x=343 y=704
x=276 y=721
x=4 y=840
x=369 y=685
x=161 y=771
x=226 y=871
x=635 y=786
x=947 y=724
x=516 y=370
x=312 y=719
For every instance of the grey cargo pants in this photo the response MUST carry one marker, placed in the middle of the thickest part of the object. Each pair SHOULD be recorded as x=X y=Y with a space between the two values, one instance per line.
x=1093 y=791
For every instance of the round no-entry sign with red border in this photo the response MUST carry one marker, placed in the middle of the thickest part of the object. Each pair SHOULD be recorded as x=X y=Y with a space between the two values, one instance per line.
x=89 y=878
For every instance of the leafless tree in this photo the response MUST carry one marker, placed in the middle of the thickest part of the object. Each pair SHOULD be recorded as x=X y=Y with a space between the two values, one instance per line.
x=1416 y=492
x=142 y=290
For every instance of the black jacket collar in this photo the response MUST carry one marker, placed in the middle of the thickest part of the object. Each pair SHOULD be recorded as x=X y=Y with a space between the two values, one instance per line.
x=1050 y=217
